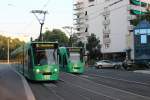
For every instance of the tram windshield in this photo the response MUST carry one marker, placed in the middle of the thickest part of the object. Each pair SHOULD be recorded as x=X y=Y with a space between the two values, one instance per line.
x=44 y=57
x=74 y=56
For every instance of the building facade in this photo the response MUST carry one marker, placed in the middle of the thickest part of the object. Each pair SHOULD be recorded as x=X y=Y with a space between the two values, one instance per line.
x=110 y=20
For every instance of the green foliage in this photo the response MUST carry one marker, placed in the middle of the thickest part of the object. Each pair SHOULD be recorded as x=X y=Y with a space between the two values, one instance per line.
x=93 y=46
x=80 y=44
x=56 y=35
x=73 y=41
x=13 y=44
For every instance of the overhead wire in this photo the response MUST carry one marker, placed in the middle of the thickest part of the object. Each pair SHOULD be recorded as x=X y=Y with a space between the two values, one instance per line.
x=30 y=23
x=46 y=4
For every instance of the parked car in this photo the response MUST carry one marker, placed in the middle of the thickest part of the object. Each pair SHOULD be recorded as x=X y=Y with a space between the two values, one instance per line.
x=108 y=63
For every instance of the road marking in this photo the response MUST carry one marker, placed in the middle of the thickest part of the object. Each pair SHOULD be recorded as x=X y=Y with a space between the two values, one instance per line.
x=111 y=88
x=50 y=85
x=28 y=90
x=121 y=79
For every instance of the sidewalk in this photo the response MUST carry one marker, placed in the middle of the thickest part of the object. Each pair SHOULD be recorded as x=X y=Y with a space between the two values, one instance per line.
x=13 y=86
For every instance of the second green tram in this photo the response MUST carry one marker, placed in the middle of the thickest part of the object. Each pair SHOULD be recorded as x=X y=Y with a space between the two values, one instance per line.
x=71 y=59
x=38 y=61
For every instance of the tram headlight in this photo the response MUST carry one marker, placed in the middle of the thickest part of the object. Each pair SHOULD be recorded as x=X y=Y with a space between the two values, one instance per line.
x=37 y=70
x=55 y=69
x=75 y=65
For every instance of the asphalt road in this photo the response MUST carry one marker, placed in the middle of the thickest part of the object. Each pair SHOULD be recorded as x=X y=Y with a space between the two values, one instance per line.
x=103 y=84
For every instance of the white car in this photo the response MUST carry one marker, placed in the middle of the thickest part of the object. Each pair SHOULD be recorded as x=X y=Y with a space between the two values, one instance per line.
x=107 y=63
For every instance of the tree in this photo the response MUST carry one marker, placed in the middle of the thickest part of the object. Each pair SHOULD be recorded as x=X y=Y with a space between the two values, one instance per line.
x=93 y=46
x=74 y=41
x=13 y=44
x=80 y=44
x=56 y=35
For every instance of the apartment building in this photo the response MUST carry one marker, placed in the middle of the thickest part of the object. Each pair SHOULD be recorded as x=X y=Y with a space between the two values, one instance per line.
x=110 y=20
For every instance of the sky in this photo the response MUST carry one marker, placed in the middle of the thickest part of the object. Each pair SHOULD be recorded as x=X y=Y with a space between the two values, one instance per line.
x=16 y=18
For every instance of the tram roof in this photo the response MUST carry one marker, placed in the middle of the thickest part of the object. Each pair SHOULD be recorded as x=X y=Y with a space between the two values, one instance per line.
x=43 y=42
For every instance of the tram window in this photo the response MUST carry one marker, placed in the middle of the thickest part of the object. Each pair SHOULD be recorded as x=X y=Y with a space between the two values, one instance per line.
x=143 y=39
x=51 y=56
x=60 y=59
x=46 y=56
x=64 y=60
x=75 y=56
x=43 y=59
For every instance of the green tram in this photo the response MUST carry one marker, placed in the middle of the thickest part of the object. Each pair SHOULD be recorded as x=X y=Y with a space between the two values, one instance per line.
x=38 y=61
x=71 y=59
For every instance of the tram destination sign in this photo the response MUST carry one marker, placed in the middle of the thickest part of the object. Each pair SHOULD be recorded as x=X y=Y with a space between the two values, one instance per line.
x=74 y=49
x=45 y=46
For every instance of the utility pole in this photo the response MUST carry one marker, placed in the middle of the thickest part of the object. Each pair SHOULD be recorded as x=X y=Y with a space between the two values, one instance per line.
x=41 y=20
x=8 y=51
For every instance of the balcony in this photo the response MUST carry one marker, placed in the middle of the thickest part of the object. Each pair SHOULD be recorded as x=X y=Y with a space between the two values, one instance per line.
x=86 y=17
x=78 y=3
x=106 y=13
x=106 y=31
x=106 y=40
x=78 y=7
x=79 y=23
x=78 y=33
x=106 y=22
x=79 y=13
x=81 y=26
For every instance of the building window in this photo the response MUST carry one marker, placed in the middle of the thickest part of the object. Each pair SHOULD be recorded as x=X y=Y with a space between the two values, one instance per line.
x=143 y=39
x=107 y=45
x=78 y=29
x=106 y=35
x=91 y=0
x=105 y=18
x=86 y=30
x=85 y=13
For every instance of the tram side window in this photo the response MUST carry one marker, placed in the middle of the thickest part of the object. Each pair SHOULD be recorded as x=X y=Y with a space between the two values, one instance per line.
x=60 y=60
x=64 y=60
x=81 y=57
x=29 y=58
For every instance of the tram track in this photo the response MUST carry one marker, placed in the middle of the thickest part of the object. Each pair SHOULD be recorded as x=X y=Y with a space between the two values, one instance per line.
x=60 y=90
x=113 y=92
x=125 y=85
x=42 y=92
x=117 y=79
x=84 y=87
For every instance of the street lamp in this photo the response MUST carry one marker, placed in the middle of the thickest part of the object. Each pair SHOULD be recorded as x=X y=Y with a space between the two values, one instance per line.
x=8 y=52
